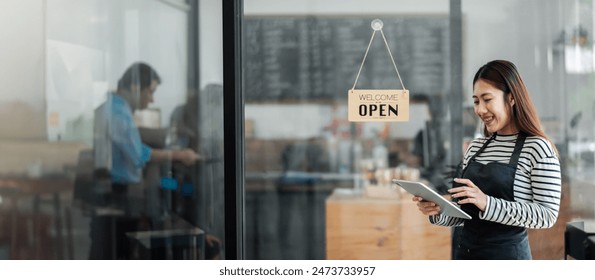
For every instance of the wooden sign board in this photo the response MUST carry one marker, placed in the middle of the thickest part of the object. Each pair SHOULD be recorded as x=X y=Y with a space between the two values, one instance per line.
x=372 y=105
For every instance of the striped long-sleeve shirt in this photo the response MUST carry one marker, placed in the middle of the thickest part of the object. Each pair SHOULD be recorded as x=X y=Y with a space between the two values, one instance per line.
x=537 y=184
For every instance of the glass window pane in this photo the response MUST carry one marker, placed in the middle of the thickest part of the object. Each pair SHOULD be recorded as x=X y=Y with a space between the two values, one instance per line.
x=114 y=147
x=317 y=185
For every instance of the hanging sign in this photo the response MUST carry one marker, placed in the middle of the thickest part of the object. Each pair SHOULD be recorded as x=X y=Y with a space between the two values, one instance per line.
x=378 y=105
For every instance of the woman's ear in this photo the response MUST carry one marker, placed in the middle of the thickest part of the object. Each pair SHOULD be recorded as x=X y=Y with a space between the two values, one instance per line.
x=511 y=100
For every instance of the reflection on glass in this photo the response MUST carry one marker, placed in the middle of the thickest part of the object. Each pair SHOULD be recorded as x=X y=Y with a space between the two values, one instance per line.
x=305 y=162
x=91 y=166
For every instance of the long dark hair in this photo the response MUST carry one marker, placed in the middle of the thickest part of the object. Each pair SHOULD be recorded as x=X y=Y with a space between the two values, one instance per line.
x=504 y=76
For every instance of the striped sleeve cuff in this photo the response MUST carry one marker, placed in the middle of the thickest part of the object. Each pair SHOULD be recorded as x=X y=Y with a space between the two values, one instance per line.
x=435 y=219
x=489 y=208
x=443 y=220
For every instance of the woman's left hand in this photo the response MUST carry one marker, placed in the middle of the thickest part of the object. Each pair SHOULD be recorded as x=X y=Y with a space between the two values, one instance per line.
x=469 y=193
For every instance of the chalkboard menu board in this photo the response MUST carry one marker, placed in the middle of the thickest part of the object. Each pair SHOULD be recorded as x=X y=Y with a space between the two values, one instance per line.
x=317 y=58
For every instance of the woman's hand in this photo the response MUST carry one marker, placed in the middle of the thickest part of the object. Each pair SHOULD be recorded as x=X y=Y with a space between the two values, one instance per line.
x=427 y=207
x=469 y=193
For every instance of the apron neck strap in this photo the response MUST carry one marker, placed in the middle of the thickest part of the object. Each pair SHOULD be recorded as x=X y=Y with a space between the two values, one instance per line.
x=520 y=141
x=482 y=147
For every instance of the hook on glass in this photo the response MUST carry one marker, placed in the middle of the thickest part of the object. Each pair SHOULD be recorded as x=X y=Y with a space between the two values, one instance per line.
x=377 y=24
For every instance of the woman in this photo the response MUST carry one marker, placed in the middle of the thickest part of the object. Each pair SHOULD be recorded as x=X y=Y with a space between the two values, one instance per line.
x=511 y=177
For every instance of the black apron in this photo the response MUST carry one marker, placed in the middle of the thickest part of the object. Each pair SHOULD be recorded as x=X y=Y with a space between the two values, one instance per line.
x=480 y=239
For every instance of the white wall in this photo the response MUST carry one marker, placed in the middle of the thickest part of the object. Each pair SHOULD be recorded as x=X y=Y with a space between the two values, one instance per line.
x=211 y=42
x=22 y=69
x=21 y=51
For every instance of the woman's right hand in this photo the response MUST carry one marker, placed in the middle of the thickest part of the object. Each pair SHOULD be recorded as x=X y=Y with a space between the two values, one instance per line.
x=426 y=207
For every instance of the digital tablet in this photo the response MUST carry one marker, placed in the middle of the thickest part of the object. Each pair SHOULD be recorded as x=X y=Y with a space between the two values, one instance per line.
x=447 y=208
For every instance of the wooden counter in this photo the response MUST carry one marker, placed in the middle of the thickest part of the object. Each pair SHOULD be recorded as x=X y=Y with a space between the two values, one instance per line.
x=359 y=227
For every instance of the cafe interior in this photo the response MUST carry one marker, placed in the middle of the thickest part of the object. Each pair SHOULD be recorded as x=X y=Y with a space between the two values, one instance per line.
x=263 y=88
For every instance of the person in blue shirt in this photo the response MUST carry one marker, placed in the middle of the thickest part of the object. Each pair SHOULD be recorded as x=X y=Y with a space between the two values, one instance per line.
x=117 y=135
x=120 y=151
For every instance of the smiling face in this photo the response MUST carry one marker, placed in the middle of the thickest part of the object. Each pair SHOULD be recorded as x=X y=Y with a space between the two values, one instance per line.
x=495 y=112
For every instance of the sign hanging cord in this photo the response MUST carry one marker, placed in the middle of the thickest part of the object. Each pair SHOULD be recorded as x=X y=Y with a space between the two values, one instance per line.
x=389 y=52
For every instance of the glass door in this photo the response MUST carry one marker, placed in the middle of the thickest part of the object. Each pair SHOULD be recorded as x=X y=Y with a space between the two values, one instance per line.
x=316 y=185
